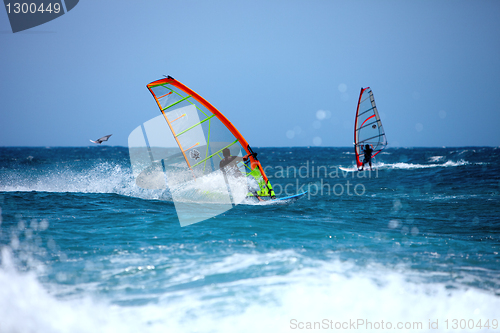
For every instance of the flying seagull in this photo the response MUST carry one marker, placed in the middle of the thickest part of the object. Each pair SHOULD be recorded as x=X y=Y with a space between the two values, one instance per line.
x=104 y=138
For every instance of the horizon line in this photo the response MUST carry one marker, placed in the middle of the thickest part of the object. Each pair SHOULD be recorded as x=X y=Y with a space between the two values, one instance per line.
x=347 y=147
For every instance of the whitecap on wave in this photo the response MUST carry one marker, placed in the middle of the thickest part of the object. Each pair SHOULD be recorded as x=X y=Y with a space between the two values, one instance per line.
x=320 y=292
x=436 y=158
x=403 y=165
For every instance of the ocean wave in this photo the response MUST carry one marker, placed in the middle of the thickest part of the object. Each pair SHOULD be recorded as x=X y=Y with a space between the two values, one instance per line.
x=110 y=178
x=436 y=158
x=314 y=291
x=402 y=165
x=103 y=177
x=409 y=166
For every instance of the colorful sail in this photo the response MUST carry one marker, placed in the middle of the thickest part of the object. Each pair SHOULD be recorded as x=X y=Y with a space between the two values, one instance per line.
x=187 y=159
x=368 y=129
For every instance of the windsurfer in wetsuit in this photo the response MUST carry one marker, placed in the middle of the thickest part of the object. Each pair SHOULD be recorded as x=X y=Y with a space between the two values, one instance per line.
x=228 y=166
x=368 y=156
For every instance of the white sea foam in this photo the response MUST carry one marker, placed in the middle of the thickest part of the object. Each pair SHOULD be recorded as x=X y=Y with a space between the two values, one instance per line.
x=320 y=290
x=111 y=178
x=409 y=166
x=102 y=178
x=402 y=165
x=448 y=197
x=436 y=158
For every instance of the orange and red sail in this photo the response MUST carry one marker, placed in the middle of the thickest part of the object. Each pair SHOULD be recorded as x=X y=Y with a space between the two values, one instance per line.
x=202 y=132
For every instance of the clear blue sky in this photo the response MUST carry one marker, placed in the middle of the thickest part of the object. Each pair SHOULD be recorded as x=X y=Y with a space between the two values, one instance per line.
x=269 y=66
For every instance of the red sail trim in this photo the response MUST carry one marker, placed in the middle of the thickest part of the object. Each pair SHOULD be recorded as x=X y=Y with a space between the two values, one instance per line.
x=164 y=95
x=254 y=163
x=366 y=121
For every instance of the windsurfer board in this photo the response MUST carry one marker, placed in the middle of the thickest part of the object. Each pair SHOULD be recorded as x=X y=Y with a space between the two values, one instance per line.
x=348 y=169
x=278 y=201
x=354 y=169
x=292 y=198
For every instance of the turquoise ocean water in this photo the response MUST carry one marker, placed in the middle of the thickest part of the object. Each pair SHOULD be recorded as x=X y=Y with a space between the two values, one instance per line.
x=416 y=241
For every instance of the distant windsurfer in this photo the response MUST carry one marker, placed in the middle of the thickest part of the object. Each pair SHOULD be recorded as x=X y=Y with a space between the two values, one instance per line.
x=368 y=156
x=228 y=166
x=101 y=140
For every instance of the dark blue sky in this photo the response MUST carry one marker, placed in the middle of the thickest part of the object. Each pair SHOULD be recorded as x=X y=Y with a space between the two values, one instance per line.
x=286 y=73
